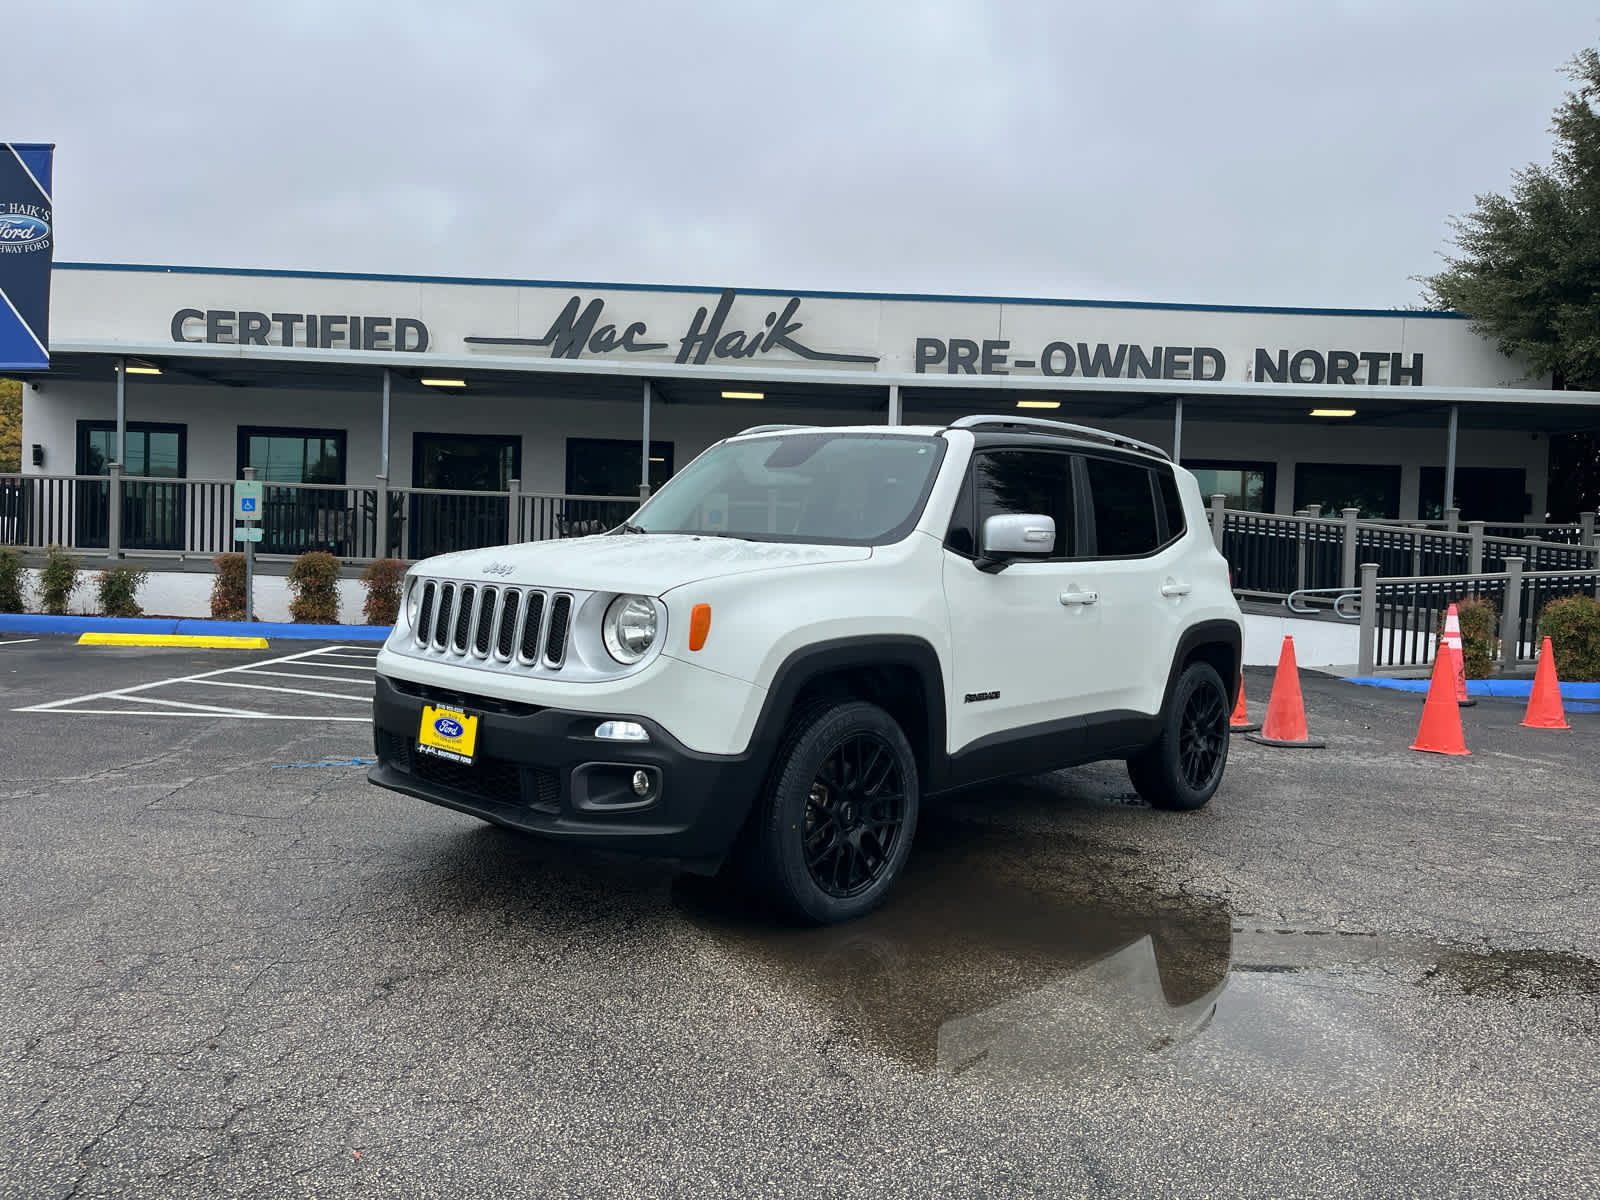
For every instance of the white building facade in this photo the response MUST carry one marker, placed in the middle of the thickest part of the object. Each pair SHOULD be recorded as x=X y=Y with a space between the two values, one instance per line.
x=445 y=387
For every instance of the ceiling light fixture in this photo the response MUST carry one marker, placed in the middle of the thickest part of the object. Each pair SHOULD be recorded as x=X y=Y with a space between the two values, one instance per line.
x=1333 y=412
x=744 y=395
x=1038 y=404
x=444 y=383
x=142 y=369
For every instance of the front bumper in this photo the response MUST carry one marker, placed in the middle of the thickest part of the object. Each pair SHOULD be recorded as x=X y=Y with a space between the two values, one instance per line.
x=543 y=771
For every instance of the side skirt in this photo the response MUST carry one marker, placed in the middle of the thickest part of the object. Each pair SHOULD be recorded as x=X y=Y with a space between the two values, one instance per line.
x=1049 y=747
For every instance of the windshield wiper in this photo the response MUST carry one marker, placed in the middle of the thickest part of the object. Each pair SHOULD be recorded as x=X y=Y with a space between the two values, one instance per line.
x=630 y=527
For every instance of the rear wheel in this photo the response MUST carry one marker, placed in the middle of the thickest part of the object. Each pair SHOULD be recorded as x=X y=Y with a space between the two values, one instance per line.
x=835 y=825
x=1184 y=766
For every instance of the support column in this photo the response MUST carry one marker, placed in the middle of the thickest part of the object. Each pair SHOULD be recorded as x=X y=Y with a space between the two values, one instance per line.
x=1450 y=460
x=895 y=414
x=381 y=496
x=1177 y=429
x=644 y=452
x=120 y=450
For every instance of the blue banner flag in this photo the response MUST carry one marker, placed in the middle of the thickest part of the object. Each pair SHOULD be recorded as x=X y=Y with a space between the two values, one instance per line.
x=27 y=249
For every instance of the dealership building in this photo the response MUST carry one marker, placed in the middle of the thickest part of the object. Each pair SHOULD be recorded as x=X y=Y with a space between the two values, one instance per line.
x=378 y=388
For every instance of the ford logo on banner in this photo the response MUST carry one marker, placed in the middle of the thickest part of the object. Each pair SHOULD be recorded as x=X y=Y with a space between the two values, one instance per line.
x=27 y=252
x=19 y=231
x=447 y=727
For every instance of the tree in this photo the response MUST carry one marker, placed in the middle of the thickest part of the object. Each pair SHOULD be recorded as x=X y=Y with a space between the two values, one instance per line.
x=10 y=425
x=1528 y=274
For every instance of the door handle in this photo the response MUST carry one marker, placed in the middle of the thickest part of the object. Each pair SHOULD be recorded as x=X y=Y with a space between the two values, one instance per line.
x=1176 y=589
x=1077 y=597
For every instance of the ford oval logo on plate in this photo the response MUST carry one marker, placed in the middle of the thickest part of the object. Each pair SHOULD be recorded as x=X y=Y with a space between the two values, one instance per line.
x=447 y=727
x=19 y=231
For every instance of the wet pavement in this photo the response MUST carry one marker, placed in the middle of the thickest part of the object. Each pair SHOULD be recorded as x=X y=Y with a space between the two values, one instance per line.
x=228 y=966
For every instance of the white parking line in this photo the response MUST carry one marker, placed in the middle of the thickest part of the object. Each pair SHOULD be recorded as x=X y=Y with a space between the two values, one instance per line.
x=160 y=706
x=267 y=687
x=331 y=666
x=18 y=642
x=296 y=675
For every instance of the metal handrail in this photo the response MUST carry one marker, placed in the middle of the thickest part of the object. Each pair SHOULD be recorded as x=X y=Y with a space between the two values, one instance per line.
x=1340 y=596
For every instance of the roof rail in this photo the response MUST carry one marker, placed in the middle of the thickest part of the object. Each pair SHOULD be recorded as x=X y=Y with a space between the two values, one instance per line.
x=1043 y=426
x=771 y=429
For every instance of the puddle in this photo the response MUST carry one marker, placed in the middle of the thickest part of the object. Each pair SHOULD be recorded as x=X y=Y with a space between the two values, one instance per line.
x=983 y=962
x=997 y=956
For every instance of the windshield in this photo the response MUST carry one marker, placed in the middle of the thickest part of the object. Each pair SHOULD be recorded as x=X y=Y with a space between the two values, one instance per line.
x=858 y=489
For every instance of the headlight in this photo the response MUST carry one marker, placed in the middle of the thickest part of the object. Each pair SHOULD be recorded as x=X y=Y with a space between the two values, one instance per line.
x=629 y=628
x=413 y=601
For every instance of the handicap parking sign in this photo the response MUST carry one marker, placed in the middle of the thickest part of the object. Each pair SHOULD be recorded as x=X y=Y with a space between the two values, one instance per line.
x=246 y=500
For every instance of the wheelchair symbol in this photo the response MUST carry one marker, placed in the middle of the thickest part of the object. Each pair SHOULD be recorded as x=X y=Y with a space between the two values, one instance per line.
x=247 y=504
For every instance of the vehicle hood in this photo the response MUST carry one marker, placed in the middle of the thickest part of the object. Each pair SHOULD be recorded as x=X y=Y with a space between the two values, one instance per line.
x=650 y=564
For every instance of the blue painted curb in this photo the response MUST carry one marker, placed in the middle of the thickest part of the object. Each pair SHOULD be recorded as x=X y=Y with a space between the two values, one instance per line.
x=1503 y=689
x=1572 y=694
x=37 y=623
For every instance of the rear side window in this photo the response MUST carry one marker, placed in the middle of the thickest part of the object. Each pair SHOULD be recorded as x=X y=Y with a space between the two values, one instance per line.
x=1172 y=505
x=1124 y=508
x=1015 y=481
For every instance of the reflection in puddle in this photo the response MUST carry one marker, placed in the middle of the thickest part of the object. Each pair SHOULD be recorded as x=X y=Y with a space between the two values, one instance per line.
x=982 y=963
x=998 y=957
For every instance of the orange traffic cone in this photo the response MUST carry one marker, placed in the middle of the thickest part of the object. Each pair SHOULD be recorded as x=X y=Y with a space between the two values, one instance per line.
x=1240 y=722
x=1544 y=702
x=1452 y=639
x=1440 y=731
x=1286 y=710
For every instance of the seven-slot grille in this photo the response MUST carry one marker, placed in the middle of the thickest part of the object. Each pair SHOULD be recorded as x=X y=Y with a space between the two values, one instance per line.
x=525 y=625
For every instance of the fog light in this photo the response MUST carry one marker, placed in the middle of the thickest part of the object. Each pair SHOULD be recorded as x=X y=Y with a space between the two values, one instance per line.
x=622 y=731
x=641 y=784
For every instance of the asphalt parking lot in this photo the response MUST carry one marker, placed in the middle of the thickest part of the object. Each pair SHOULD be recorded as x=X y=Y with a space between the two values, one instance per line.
x=229 y=966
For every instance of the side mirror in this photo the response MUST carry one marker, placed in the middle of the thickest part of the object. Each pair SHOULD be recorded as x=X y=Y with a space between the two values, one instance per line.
x=1013 y=535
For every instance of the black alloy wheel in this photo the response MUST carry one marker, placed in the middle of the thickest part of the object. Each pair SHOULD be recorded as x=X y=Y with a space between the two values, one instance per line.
x=1183 y=767
x=1203 y=738
x=834 y=827
x=855 y=811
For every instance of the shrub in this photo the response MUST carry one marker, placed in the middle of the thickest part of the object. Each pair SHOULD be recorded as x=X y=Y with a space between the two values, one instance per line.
x=119 y=591
x=314 y=580
x=58 y=580
x=1478 y=642
x=227 y=590
x=12 y=581
x=1572 y=624
x=383 y=579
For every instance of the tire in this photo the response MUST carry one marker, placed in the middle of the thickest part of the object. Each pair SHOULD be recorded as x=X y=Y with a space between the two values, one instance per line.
x=835 y=824
x=1183 y=767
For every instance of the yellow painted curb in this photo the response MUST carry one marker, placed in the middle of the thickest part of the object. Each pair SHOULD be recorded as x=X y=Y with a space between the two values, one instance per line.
x=193 y=641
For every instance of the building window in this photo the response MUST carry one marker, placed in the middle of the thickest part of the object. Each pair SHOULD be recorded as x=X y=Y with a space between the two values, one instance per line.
x=1248 y=486
x=610 y=466
x=154 y=450
x=292 y=455
x=1494 y=494
x=1375 y=490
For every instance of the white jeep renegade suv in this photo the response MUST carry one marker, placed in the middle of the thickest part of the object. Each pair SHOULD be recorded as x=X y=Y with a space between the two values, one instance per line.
x=806 y=632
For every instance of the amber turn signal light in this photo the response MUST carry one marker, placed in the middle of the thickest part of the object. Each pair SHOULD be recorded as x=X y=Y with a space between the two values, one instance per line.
x=699 y=625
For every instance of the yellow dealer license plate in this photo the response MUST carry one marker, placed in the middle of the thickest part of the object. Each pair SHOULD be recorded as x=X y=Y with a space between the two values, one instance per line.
x=448 y=733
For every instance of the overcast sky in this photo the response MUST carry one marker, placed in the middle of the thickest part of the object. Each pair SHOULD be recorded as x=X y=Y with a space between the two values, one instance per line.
x=1236 y=151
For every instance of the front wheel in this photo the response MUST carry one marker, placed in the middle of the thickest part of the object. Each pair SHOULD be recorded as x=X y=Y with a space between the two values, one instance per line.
x=835 y=825
x=1182 y=768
